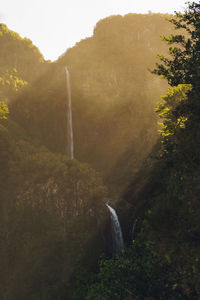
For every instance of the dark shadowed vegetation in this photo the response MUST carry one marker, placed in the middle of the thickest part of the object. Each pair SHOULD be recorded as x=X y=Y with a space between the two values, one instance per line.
x=54 y=227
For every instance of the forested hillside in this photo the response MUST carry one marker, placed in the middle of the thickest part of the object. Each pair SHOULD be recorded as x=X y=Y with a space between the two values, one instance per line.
x=113 y=95
x=54 y=225
x=111 y=72
x=48 y=203
x=162 y=261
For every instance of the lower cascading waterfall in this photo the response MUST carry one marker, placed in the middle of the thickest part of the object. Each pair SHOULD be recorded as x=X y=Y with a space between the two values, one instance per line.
x=118 y=241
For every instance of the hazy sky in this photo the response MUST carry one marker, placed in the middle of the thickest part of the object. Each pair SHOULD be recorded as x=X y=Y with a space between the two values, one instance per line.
x=55 y=25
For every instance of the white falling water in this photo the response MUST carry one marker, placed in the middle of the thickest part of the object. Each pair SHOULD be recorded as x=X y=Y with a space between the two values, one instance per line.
x=70 y=143
x=133 y=229
x=116 y=229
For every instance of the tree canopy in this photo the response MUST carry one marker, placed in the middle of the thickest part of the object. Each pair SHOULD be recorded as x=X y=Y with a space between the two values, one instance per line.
x=182 y=71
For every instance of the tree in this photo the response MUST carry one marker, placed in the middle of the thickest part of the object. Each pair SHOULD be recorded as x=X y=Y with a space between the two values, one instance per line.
x=184 y=67
x=181 y=108
x=172 y=123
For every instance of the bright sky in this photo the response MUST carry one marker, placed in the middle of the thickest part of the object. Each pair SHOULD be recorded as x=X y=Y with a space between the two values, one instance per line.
x=55 y=25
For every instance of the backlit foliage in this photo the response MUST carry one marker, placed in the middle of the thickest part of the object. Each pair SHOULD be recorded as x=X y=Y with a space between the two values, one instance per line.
x=173 y=121
x=3 y=110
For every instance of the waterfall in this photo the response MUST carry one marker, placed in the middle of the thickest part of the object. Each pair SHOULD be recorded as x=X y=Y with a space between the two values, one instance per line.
x=133 y=229
x=70 y=143
x=116 y=230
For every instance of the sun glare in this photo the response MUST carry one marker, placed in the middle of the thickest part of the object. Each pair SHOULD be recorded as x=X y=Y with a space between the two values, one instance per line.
x=54 y=26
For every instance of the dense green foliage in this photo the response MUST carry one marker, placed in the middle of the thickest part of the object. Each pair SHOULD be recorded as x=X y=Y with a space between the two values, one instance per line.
x=134 y=273
x=48 y=217
x=173 y=123
x=176 y=210
x=52 y=214
x=171 y=209
x=183 y=68
x=183 y=64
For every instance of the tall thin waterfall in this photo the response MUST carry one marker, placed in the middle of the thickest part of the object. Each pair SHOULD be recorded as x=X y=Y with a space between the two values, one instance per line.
x=116 y=229
x=70 y=143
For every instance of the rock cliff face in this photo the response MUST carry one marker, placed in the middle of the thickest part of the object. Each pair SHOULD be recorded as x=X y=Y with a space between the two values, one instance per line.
x=113 y=91
x=113 y=96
